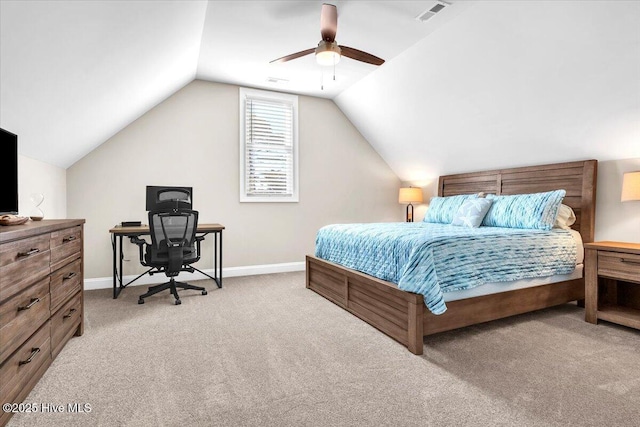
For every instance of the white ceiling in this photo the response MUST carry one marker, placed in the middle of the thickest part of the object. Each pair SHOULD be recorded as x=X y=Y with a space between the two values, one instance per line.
x=507 y=84
x=240 y=38
x=74 y=73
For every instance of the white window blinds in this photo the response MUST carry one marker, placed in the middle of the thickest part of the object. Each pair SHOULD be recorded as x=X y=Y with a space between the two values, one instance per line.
x=268 y=146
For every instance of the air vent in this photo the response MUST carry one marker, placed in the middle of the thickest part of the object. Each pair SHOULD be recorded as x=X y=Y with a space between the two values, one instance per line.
x=276 y=80
x=429 y=13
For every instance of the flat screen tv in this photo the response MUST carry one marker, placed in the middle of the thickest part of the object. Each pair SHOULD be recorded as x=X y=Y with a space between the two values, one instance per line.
x=8 y=172
x=163 y=198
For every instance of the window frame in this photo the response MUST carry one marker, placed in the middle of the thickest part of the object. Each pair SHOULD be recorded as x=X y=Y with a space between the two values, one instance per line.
x=277 y=97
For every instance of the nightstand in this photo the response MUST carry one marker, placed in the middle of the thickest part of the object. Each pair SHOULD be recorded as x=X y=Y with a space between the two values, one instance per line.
x=612 y=283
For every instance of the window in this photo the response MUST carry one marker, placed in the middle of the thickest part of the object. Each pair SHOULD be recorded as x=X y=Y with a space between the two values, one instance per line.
x=268 y=146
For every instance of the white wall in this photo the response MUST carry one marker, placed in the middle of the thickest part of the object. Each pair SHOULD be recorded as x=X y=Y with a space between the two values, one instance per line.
x=35 y=176
x=191 y=139
x=507 y=84
x=616 y=220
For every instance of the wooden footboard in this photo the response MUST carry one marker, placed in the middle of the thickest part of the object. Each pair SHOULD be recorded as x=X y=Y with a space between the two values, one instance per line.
x=397 y=313
x=403 y=315
x=472 y=311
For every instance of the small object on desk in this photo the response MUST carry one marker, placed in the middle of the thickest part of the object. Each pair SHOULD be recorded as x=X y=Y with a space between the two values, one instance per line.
x=612 y=283
x=131 y=223
x=13 y=219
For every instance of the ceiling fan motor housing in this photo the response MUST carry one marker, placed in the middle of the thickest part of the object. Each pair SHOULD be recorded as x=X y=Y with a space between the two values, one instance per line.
x=328 y=53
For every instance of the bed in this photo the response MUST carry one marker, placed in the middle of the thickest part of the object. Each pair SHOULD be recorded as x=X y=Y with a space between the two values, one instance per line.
x=403 y=315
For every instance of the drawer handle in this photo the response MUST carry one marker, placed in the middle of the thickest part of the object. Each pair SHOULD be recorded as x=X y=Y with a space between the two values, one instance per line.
x=33 y=302
x=69 y=276
x=69 y=239
x=28 y=253
x=66 y=316
x=34 y=351
x=630 y=261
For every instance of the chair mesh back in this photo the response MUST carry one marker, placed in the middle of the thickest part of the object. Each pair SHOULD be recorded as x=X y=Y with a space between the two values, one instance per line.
x=173 y=228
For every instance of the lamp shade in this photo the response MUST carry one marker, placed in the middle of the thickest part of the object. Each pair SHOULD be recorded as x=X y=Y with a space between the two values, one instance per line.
x=410 y=195
x=630 y=186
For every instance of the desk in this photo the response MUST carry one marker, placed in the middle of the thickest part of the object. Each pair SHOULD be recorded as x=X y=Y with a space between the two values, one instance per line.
x=118 y=233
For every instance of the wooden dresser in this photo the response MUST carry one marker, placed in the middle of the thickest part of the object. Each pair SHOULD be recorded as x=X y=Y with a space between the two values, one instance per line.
x=41 y=301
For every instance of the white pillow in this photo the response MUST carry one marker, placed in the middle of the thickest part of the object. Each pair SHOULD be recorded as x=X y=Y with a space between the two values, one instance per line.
x=566 y=218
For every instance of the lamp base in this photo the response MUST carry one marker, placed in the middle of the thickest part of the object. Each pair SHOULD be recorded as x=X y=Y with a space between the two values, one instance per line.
x=409 y=212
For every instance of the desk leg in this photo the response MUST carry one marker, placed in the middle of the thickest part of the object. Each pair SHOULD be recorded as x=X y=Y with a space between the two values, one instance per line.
x=217 y=263
x=220 y=276
x=215 y=259
x=117 y=273
x=115 y=270
x=120 y=255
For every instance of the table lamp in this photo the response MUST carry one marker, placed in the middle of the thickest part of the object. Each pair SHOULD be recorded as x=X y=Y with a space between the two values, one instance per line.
x=410 y=195
x=630 y=186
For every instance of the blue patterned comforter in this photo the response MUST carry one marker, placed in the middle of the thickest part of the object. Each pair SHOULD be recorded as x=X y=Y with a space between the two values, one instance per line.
x=430 y=259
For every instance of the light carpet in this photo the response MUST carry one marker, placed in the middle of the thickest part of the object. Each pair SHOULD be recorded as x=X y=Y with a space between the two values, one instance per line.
x=265 y=351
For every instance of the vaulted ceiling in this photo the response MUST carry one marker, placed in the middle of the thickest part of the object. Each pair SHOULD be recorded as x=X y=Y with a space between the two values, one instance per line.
x=74 y=73
x=507 y=83
x=481 y=84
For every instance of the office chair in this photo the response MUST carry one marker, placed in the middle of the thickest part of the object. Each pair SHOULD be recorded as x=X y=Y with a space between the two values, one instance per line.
x=174 y=246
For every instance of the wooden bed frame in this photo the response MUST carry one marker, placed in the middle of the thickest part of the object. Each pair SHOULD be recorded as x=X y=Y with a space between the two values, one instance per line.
x=403 y=315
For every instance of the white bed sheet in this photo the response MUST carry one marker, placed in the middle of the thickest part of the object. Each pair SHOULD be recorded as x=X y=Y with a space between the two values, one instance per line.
x=496 y=287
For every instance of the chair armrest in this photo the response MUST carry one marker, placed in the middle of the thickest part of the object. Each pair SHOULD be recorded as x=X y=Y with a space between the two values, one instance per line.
x=140 y=242
x=137 y=240
x=198 y=249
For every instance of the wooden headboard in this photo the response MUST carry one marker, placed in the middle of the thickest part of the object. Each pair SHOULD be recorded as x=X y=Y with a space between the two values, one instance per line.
x=577 y=178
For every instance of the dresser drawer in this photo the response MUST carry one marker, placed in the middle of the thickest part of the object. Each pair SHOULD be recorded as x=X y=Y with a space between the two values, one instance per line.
x=66 y=245
x=64 y=283
x=22 y=263
x=22 y=315
x=23 y=368
x=20 y=250
x=620 y=266
x=65 y=322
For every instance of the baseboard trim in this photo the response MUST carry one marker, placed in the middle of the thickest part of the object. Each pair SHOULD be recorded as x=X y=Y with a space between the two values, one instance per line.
x=248 y=270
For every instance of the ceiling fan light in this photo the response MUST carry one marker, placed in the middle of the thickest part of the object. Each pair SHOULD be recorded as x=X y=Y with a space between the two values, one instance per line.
x=328 y=54
x=327 y=58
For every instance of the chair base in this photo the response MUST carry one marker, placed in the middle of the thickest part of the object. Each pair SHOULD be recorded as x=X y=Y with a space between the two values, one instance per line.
x=172 y=285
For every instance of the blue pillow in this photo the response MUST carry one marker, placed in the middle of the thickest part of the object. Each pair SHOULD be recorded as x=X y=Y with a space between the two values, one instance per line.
x=472 y=212
x=443 y=209
x=536 y=211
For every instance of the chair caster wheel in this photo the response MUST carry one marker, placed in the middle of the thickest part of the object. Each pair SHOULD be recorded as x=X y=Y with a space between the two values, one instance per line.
x=204 y=292
x=178 y=302
x=140 y=301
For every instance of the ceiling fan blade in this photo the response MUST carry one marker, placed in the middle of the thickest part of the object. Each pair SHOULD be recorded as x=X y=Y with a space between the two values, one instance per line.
x=294 y=55
x=359 y=55
x=328 y=22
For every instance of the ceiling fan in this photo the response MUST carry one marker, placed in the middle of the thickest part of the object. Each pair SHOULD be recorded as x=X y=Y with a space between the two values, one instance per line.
x=328 y=51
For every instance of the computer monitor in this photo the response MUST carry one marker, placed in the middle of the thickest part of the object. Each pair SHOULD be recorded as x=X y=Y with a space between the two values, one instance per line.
x=162 y=198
